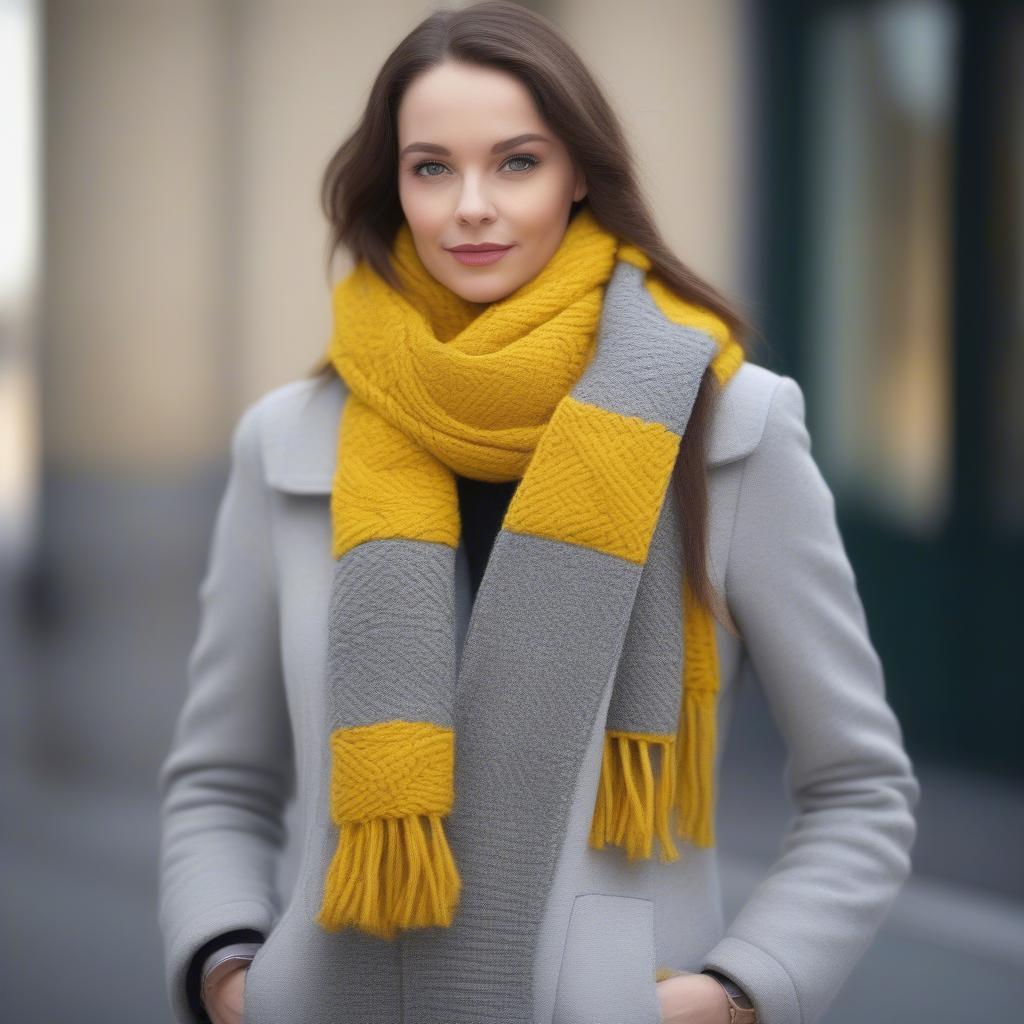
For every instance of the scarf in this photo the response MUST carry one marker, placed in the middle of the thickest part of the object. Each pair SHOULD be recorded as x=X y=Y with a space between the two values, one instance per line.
x=452 y=776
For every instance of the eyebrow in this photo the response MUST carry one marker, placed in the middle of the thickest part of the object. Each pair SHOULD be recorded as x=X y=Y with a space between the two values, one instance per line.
x=498 y=147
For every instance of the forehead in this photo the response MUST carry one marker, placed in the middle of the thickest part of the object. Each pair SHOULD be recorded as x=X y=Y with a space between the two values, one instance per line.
x=454 y=102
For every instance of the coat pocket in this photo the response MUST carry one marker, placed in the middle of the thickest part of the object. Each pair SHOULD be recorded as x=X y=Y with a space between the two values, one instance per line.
x=607 y=970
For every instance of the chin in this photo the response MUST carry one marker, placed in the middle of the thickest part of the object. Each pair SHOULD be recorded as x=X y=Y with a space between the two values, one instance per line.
x=482 y=291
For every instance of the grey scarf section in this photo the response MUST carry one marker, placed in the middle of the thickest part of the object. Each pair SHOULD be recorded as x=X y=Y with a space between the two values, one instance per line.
x=551 y=624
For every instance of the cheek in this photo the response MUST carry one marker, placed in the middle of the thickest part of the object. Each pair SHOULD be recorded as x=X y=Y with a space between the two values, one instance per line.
x=542 y=210
x=422 y=210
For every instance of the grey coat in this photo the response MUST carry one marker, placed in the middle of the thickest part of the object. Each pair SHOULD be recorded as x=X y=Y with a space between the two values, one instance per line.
x=252 y=735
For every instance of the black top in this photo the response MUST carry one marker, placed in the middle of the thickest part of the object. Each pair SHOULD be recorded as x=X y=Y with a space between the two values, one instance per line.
x=482 y=507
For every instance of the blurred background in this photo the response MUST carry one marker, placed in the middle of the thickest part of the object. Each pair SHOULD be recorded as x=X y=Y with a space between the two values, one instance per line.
x=852 y=173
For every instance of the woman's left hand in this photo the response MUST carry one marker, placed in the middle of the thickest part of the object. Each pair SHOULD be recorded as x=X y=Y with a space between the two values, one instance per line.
x=692 y=999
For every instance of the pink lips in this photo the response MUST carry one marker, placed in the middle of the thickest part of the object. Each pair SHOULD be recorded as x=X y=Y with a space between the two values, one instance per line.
x=480 y=257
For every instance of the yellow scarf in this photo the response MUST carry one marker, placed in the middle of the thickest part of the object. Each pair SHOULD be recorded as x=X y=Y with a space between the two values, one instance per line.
x=437 y=387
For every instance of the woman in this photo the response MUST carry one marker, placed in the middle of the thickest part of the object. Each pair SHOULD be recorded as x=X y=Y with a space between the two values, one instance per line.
x=563 y=515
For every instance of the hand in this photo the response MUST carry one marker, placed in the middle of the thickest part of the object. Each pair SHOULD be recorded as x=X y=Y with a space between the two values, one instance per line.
x=225 y=997
x=692 y=999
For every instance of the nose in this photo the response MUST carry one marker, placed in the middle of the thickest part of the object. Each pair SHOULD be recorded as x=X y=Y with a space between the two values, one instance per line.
x=474 y=205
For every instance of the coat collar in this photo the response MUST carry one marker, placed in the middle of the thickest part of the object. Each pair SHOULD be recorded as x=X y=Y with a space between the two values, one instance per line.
x=300 y=427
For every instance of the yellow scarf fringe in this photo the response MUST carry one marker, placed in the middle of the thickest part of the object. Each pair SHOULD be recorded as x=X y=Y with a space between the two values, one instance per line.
x=631 y=805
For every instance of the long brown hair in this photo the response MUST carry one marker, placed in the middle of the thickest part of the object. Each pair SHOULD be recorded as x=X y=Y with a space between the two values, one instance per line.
x=359 y=194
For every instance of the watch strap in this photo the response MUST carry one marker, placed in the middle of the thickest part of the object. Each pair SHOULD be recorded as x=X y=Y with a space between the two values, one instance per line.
x=741 y=1006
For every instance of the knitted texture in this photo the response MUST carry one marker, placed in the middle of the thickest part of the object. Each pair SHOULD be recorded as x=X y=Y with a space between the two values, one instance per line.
x=579 y=385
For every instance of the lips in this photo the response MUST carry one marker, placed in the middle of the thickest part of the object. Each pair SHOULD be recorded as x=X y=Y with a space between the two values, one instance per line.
x=480 y=247
x=479 y=255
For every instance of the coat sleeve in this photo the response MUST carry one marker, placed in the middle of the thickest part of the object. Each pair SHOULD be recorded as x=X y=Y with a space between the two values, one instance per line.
x=793 y=595
x=229 y=772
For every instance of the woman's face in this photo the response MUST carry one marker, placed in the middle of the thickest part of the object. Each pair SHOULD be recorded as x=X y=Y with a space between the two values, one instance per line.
x=455 y=189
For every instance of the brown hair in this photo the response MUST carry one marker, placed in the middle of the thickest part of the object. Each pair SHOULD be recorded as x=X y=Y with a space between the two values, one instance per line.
x=359 y=194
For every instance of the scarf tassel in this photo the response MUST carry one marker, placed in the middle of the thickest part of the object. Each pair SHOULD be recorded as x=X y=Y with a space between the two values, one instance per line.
x=392 y=867
x=630 y=805
x=695 y=821
x=386 y=874
x=698 y=723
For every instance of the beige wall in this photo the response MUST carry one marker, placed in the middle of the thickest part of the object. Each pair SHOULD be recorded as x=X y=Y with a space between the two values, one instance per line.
x=185 y=143
x=673 y=72
x=132 y=286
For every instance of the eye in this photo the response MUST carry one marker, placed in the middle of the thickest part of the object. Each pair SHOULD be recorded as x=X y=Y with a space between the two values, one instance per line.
x=531 y=162
x=426 y=163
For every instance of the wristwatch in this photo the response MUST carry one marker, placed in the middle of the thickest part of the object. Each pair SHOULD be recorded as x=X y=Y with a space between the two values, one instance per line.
x=741 y=1008
x=222 y=961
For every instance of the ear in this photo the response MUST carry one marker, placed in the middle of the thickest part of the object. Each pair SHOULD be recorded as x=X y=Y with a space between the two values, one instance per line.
x=581 y=188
